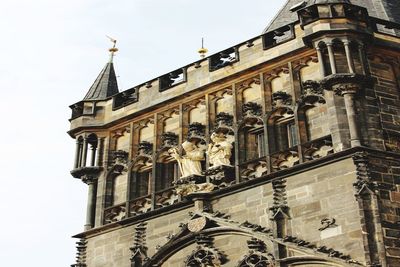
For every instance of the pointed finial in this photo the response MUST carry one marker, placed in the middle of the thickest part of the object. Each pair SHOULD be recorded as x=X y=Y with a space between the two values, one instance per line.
x=113 y=49
x=202 y=51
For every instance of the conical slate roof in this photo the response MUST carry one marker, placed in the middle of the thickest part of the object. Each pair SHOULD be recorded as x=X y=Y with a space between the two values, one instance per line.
x=383 y=9
x=105 y=84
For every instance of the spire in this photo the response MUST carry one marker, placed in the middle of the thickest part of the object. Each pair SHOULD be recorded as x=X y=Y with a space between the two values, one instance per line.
x=105 y=84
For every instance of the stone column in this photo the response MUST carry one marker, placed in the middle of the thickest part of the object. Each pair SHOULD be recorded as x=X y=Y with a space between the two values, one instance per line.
x=90 y=180
x=93 y=157
x=348 y=91
x=100 y=151
x=331 y=57
x=84 y=152
x=321 y=62
x=77 y=154
x=349 y=58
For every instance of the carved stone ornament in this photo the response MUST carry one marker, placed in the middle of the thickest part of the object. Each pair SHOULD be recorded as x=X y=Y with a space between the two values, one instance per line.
x=327 y=223
x=169 y=139
x=224 y=119
x=318 y=149
x=196 y=132
x=120 y=159
x=281 y=99
x=279 y=198
x=254 y=170
x=257 y=256
x=312 y=93
x=139 y=206
x=139 y=249
x=115 y=214
x=191 y=188
x=221 y=176
x=205 y=254
x=166 y=198
x=87 y=174
x=81 y=253
x=363 y=185
x=346 y=88
x=145 y=148
x=345 y=79
x=252 y=109
x=285 y=160
x=197 y=224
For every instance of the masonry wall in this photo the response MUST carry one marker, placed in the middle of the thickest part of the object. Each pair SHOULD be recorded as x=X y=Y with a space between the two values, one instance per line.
x=326 y=193
x=386 y=172
x=111 y=249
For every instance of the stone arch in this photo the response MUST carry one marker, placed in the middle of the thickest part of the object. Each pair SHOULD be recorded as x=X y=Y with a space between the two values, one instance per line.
x=308 y=261
x=168 y=250
x=186 y=239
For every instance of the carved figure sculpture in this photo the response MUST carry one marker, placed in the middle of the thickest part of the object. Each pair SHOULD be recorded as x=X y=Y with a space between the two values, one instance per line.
x=220 y=151
x=190 y=163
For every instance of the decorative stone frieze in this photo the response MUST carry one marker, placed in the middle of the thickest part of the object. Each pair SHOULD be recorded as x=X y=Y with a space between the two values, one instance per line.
x=115 y=214
x=254 y=169
x=140 y=205
x=221 y=176
x=285 y=159
x=166 y=198
x=193 y=184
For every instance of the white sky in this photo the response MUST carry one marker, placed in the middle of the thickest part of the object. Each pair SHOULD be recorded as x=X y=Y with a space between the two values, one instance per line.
x=52 y=52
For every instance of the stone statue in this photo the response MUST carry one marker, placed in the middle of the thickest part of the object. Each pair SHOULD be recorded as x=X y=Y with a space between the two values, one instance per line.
x=220 y=151
x=190 y=163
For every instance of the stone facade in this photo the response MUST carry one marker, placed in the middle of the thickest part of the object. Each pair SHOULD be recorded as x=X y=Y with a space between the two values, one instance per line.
x=309 y=113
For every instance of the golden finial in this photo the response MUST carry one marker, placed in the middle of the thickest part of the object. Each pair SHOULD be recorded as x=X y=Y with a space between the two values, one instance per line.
x=113 y=49
x=202 y=51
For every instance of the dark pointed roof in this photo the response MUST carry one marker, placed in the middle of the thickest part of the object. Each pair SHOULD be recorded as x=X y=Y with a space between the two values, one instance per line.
x=105 y=84
x=383 y=9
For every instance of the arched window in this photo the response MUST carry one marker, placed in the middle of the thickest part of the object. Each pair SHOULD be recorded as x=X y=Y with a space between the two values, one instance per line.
x=93 y=142
x=342 y=65
x=140 y=184
x=325 y=58
x=283 y=130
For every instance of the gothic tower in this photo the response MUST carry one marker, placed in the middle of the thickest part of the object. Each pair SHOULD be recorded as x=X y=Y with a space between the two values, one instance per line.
x=283 y=150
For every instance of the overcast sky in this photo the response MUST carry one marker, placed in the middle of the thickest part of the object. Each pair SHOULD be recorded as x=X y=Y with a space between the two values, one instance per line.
x=52 y=52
